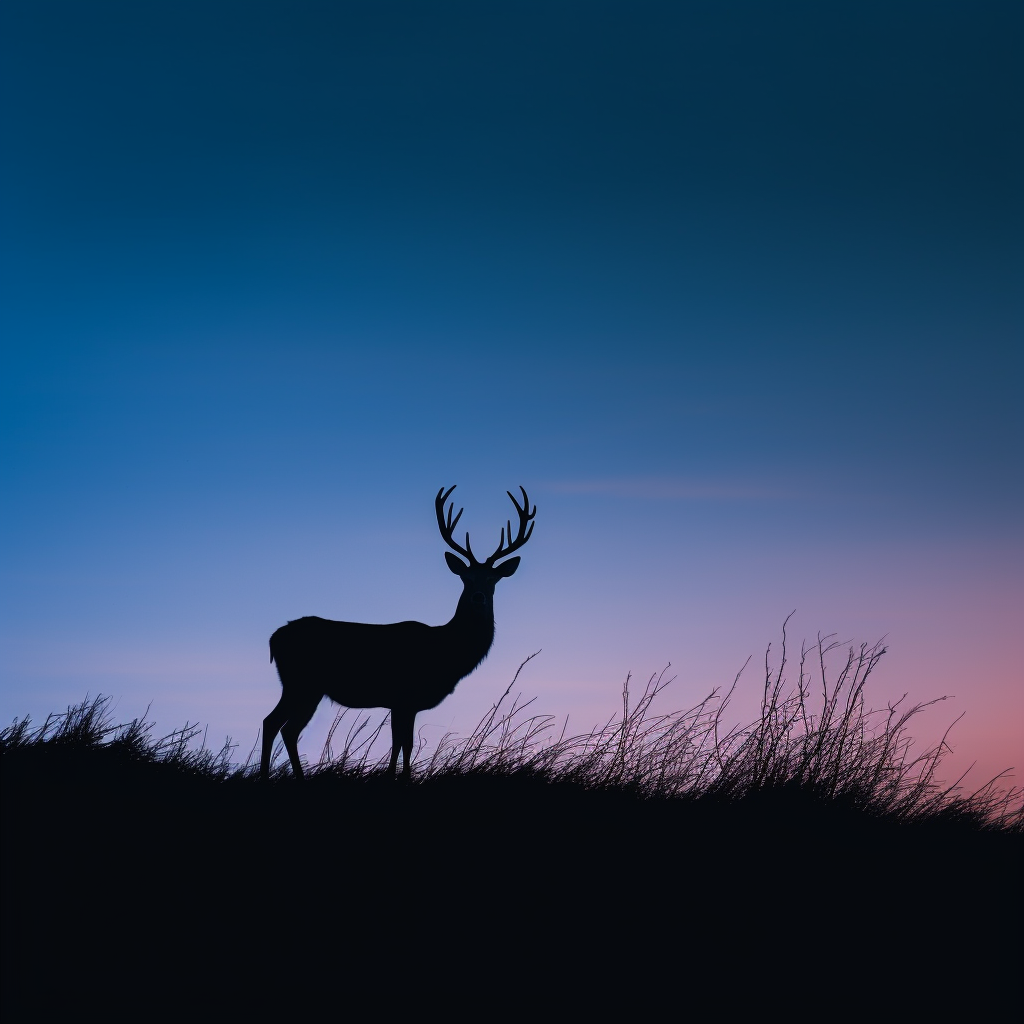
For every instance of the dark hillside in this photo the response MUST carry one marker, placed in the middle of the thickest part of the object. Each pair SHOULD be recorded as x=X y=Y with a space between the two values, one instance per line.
x=145 y=882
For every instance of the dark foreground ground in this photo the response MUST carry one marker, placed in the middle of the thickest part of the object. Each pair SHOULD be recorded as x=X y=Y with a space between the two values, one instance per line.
x=132 y=892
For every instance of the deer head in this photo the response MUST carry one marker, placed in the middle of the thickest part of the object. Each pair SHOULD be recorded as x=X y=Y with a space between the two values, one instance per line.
x=479 y=578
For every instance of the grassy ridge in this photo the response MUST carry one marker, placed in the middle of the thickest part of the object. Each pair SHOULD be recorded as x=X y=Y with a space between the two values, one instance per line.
x=806 y=867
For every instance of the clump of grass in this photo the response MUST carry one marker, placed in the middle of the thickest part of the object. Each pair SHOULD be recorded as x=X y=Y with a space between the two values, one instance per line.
x=819 y=736
x=91 y=727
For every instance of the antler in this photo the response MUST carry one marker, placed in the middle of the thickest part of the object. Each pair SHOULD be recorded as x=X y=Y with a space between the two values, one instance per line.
x=525 y=515
x=447 y=527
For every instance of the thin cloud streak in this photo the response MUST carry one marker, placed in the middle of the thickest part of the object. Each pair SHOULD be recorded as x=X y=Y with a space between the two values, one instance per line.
x=670 y=489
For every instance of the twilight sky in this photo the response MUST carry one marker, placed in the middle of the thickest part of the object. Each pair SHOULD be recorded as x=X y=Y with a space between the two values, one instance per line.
x=734 y=290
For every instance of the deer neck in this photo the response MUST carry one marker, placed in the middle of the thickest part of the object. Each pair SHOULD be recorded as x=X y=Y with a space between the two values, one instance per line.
x=474 y=628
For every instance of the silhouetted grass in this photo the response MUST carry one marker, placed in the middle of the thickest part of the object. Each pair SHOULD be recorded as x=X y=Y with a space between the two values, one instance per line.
x=807 y=866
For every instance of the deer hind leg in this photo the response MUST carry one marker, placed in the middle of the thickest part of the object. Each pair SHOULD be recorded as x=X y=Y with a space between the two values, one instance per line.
x=299 y=715
x=401 y=738
x=396 y=745
x=271 y=727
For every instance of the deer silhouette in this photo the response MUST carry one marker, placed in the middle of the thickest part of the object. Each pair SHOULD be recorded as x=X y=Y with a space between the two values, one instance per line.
x=404 y=666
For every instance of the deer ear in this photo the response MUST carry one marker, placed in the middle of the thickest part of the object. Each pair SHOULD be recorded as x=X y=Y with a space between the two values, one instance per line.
x=456 y=565
x=507 y=568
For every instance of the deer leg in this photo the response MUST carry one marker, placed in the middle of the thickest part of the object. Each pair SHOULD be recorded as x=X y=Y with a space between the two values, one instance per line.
x=271 y=727
x=396 y=742
x=298 y=719
x=401 y=737
x=407 y=744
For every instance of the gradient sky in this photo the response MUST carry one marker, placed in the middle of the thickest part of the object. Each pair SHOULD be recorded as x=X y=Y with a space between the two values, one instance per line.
x=734 y=289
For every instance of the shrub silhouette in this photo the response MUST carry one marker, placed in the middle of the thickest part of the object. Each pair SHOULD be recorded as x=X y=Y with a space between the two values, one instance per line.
x=807 y=866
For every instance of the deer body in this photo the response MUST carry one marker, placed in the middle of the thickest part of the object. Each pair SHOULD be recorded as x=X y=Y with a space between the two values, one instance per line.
x=407 y=667
x=359 y=665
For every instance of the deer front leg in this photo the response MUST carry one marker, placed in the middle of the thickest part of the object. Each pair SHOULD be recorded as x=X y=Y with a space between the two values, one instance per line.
x=401 y=738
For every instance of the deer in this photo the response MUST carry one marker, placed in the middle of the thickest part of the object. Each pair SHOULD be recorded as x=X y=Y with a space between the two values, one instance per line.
x=406 y=667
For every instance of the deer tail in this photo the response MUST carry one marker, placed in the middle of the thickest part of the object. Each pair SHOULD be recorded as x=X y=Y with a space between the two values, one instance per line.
x=276 y=639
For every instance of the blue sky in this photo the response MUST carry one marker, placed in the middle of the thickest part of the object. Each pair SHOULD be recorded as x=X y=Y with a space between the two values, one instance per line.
x=733 y=289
